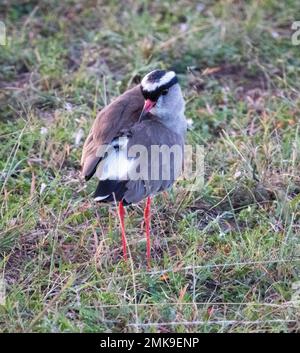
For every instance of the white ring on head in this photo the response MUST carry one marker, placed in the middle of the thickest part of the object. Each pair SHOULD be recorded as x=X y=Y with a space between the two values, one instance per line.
x=152 y=86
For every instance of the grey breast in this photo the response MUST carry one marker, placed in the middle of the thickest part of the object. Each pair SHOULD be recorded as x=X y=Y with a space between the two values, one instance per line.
x=164 y=158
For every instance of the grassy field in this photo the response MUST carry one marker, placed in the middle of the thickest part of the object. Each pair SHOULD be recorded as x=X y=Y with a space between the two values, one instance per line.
x=226 y=258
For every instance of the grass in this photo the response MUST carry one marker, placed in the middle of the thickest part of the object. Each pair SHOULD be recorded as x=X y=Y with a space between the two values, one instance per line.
x=226 y=257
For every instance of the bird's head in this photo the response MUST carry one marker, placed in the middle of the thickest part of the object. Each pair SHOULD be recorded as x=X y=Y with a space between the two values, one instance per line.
x=162 y=94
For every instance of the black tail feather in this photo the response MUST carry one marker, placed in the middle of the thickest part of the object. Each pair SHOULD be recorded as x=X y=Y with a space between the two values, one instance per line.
x=114 y=188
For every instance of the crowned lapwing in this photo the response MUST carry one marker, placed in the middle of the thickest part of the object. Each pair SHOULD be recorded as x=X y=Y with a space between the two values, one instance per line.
x=150 y=114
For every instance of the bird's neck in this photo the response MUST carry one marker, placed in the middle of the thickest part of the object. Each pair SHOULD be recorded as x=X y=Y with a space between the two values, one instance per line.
x=175 y=122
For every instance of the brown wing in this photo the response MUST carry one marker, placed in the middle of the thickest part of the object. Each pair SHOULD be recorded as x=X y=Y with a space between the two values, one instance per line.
x=119 y=115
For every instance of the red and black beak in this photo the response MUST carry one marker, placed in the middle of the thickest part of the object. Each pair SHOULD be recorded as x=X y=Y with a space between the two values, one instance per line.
x=149 y=104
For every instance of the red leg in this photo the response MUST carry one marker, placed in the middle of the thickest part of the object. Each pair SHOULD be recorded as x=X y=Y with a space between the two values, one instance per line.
x=121 y=217
x=147 y=218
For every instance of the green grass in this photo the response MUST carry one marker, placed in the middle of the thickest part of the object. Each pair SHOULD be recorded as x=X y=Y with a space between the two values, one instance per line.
x=226 y=258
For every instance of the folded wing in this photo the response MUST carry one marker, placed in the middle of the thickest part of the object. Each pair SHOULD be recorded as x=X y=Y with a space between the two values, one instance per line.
x=119 y=115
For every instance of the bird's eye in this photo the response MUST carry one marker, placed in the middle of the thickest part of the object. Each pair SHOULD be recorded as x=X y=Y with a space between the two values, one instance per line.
x=164 y=92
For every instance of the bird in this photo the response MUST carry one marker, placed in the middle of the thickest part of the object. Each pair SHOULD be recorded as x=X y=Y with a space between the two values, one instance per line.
x=150 y=114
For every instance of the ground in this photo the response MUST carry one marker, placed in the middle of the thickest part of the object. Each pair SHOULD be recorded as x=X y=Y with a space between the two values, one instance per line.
x=226 y=256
